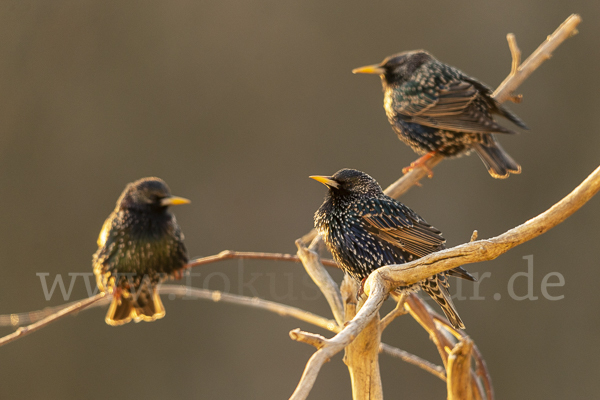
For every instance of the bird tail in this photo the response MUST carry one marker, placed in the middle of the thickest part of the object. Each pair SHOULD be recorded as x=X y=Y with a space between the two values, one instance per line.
x=146 y=306
x=437 y=288
x=497 y=161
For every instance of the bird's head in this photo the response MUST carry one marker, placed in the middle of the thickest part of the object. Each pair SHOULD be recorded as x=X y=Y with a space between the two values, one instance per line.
x=397 y=68
x=350 y=182
x=148 y=194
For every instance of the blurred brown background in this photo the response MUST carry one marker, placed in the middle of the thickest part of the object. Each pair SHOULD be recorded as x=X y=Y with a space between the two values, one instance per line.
x=234 y=104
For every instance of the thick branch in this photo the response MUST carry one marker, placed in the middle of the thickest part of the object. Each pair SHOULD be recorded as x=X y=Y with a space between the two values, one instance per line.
x=459 y=371
x=362 y=359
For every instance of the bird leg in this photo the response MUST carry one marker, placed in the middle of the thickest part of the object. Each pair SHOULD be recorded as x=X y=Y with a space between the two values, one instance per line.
x=361 y=289
x=420 y=163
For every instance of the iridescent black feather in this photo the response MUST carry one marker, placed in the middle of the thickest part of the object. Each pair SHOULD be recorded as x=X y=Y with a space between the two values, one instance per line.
x=139 y=246
x=434 y=107
x=364 y=229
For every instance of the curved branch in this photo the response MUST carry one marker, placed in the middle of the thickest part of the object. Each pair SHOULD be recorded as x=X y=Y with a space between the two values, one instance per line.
x=487 y=249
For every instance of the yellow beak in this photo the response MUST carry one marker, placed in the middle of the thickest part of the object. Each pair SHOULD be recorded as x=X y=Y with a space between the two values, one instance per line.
x=369 y=69
x=173 y=201
x=325 y=180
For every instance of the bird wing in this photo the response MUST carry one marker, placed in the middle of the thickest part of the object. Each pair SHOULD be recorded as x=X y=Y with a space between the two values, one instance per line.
x=105 y=231
x=400 y=226
x=459 y=105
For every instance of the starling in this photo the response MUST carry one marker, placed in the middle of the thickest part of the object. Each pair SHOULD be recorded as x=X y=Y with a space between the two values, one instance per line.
x=140 y=245
x=364 y=229
x=435 y=108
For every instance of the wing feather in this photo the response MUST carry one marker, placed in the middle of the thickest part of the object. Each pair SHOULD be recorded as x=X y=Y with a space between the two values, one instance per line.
x=401 y=227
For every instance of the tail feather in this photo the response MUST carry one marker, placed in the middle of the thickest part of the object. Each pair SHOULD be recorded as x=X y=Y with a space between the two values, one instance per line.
x=506 y=113
x=460 y=272
x=146 y=307
x=439 y=293
x=497 y=161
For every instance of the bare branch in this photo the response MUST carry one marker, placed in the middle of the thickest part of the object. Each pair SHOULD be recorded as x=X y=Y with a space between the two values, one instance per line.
x=396 y=312
x=481 y=367
x=80 y=305
x=488 y=249
x=339 y=342
x=514 y=52
x=317 y=341
x=443 y=335
x=474 y=236
x=459 y=371
x=349 y=289
x=415 y=360
x=543 y=53
x=217 y=296
x=314 y=268
x=250 y=255
x=362 y=360
x=420 y=313
x=280 y=309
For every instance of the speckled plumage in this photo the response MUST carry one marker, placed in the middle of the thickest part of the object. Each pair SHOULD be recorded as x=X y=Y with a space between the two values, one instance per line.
x=139 y=246
x=434 y=107
x=364 y=229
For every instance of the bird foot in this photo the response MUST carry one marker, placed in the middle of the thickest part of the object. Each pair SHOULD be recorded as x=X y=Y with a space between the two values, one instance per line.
x=361 y=289
x=178 y=274
x=420 y=163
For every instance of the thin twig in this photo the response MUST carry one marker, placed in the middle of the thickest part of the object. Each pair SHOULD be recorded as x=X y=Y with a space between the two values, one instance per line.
x=429 y=319
x=217 y=296
x=255 y=302
x=250 y=255
x=543 y=53
x=314 y=340
x=418 y=310
x=430 y=367
x=25 y=330
x=396 y=312
x=514 y=52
